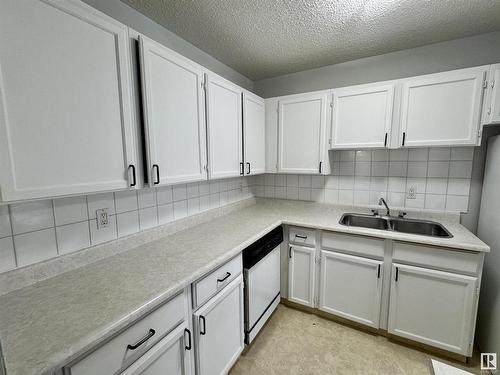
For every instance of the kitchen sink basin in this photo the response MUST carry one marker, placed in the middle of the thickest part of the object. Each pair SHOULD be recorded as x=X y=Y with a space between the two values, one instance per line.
x=410 y=226
x=365 y=221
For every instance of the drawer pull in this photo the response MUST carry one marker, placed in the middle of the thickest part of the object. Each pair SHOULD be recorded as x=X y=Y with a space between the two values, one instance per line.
x=143 y=340
x=188 y=346
x=378 y=272
x=301 y=236
x=204 y=325
x=228 y=274
x=397 y=274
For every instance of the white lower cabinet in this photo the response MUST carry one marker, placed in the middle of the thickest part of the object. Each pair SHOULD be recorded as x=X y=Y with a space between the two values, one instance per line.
x=170 y=356
x=302 y=272
x=433 y=307
x=219 y=330
x=351 y=287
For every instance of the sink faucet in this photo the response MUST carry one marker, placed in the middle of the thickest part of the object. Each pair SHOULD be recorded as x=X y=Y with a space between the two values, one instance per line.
x=381 y=202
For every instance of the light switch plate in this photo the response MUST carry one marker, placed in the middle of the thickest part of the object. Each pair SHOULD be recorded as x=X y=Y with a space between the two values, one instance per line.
x=102 y=218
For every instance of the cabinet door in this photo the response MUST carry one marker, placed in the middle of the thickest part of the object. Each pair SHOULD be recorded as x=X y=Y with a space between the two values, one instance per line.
x=492 y=107
x=302 y=275
x=65 y=100
x=302 y=124
x=362 y=116
x=219 y=330
x=254 y=133
x=443 y=108
x=351 y=287
x=174 y=114
x=224 y=128
x=433 y=307
x=170 y=356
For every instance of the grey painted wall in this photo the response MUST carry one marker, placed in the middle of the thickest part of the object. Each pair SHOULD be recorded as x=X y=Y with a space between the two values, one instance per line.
x=144 y=25
x=460 y=53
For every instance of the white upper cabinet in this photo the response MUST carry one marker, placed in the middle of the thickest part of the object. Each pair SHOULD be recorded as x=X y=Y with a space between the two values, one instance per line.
x=302 y=124
x=224 y=111
x=254 y=134
x=443 y=108
x=65 y=100
x=492 y=102
x=272 y=135
x=362 y=116
x=433 y=307
x=174 y=115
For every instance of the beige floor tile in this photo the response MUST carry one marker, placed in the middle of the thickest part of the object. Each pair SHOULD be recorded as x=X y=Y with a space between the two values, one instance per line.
x=295 y=342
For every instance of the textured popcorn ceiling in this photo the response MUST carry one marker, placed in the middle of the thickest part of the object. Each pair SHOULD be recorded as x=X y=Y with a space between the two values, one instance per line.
x=266 y=38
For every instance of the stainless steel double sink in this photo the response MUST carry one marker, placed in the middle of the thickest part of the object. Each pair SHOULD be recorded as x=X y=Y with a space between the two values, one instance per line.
x=396 y=224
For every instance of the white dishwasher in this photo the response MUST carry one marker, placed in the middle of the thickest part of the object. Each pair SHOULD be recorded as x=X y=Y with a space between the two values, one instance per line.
x=261 y=269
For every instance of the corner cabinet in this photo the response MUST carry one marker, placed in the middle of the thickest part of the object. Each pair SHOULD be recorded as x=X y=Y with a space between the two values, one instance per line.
x=254 y=134
x=302 y=275
x=433 y=307
x=174 y=115
x=302 y=133
x=362 y=116
x=224 y=124
x=65 y=101
x=442 y=109
x=219 y=330
x=351 y=287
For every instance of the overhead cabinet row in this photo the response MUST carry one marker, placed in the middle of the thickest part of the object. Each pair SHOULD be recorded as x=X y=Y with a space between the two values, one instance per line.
x=69 y=115
x=443 y=109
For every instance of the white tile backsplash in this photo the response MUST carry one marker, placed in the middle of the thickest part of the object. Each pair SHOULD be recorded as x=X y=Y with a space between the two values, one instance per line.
x=70 y=210
x=73 y=237
x=7 y=255
x=36 y=246
x=48 y=228
x=5 y=228
x=363 y=176
x=31 y=216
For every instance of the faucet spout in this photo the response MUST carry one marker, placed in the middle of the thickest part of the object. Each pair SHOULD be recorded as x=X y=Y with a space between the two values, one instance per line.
x=381 y=202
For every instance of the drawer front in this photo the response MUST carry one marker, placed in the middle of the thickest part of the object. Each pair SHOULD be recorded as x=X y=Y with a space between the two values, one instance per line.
x=302 y=236
x=116 y=353
x=216 y=280
x=364 y=246
x=437 y=257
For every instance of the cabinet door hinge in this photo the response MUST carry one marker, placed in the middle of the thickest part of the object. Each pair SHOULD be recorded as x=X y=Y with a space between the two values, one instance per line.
x=331 y=104
x=330 y=141
x=485 y=84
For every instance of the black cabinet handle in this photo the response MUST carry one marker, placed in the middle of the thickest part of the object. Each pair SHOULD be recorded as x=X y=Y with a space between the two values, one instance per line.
x=301 y=236
x=143 y=340
x=397 y=274
x=320 y=164
x=385 y=140
x=228 y=274
x=133 y=175
x=378 y=272
x=204 y=325
x=404 y=138
x=242 y=170
x=188 y=346
x=290 y=252
x=248 y=169
x=155 y=166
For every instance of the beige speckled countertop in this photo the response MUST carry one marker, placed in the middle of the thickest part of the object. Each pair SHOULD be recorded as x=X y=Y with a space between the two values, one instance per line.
x=46 y=325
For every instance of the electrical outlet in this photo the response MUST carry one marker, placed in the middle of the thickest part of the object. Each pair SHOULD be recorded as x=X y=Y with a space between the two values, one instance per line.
x=412 y=193
x=102 y=218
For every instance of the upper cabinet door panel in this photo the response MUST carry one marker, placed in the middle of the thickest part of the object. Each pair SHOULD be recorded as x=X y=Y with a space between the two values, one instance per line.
x=442 y=108
x=254 y=134
x=65 y=112
x=362 y=116
x=224 y=127
x=174 y=111
x=302 y=120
